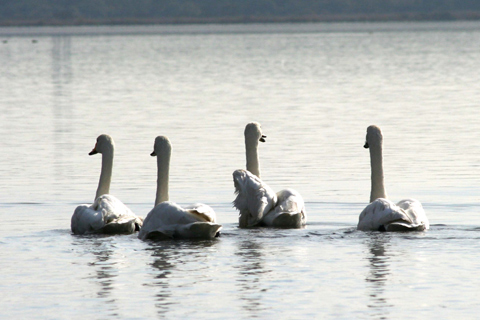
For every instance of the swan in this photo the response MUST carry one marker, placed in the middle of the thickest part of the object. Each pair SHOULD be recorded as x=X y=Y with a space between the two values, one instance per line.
x=382 y=214
x=169 y=220
x=256 y=201
x=107 y=214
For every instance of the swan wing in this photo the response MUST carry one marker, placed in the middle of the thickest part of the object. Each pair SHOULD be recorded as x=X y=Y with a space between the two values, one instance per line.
x=112 y=208
x=202 y=212
x=379 y=214
x=106 y=215
x=254 y=198
x=414 y=209
x=198 y=230
x=169 y=220
x=289 y=211
x=86 y=220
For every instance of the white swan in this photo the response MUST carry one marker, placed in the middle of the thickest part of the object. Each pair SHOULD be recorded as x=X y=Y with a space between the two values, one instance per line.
x=107 y=214
x=256 y=201
x=169 y=220
x=382 y=214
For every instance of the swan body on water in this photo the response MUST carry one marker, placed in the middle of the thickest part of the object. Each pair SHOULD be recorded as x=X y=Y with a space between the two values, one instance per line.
x=167 y=219
x=382 y=214
x=257 y=203
x=107 y=214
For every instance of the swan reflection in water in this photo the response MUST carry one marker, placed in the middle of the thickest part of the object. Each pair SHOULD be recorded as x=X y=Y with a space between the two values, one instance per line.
x=171 y=259
x=163 y=269
x=378 y=275
x=105 y=269
x=250 y=275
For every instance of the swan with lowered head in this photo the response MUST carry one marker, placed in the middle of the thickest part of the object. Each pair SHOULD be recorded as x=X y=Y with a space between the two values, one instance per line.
x=382 y=214
x=256 y=201
x=107 y=214
x=169 y=220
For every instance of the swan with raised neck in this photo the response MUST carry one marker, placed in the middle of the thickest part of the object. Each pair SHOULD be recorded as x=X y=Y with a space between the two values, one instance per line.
x=257 y=203
x=374 y=141
x=167 y=219
x=382 y=214
x=253 y=134
x=162 y=149
x=106 y=147
x=106 y=214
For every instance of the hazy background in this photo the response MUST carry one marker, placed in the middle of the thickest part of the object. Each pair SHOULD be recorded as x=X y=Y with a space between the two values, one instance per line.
x=45 y=12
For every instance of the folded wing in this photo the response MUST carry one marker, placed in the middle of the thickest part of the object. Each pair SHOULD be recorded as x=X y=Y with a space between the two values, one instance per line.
x=289 y=211
x=381 y=213
x=169 y=220
x=106 y=215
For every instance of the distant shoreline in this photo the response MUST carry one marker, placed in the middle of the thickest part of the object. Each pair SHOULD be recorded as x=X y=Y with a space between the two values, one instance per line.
x=397 y=17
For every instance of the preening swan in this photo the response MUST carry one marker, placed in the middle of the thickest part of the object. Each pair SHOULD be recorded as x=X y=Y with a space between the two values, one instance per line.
x=256 y=201
x=107 y=214
x=382 y=214
x=169 y=220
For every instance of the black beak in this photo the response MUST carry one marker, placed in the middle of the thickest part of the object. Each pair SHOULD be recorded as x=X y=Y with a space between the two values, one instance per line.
x=153 y=154
x=365 y=145
x=94 y=151
x=262 y=139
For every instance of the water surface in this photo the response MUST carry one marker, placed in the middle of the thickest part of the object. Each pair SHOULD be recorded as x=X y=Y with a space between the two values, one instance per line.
x=314 y=88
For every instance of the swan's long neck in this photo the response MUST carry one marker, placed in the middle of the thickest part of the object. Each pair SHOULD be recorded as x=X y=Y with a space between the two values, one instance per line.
x=163 y=167
x=376 y=163
x=106 y=174
x=253 y=163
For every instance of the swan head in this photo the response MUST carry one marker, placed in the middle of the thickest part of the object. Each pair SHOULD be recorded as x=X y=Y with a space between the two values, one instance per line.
x=161 y=146
x=253 y=132
x=374 y=137
x=104 y=144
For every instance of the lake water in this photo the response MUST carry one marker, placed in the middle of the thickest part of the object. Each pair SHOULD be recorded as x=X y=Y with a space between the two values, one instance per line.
x=314 y=88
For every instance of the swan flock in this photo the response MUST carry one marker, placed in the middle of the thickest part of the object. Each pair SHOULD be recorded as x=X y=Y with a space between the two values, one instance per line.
x=258 y=205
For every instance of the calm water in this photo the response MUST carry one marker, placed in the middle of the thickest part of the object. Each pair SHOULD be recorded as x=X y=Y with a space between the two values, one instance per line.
x=314 y=88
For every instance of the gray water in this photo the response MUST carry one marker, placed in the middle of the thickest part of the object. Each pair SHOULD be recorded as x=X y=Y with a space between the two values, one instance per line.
x=314 y=88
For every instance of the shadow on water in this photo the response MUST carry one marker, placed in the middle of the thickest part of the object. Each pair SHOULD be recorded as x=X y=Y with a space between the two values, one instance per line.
x=378 y=275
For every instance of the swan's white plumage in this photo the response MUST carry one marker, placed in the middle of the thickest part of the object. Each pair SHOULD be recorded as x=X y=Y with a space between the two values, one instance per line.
x=289 y=212
x=169 y=220
x=260 y=206
x=202 y=211
x=254 y=198
x=382 y=214
x=107 y=214
x=257 y=203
